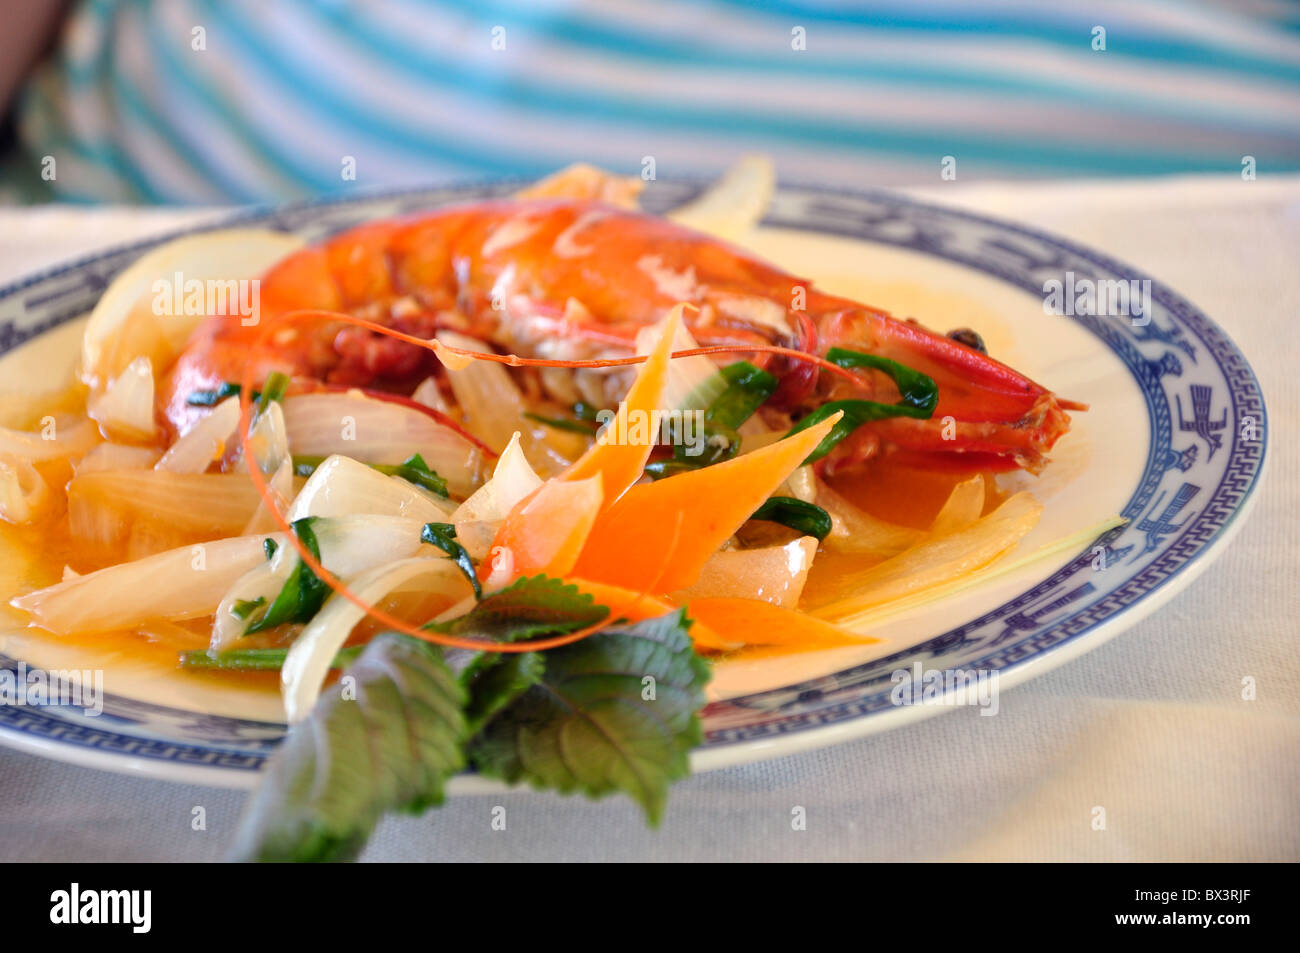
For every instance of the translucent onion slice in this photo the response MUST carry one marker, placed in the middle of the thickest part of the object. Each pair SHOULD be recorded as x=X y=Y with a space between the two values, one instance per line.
x=937 y=560
x=353 y=544
x=116 y=456
x=430 y=395
x=846 y=614
x=126 y=409
x=183 y=583
x=512 y=480
x=105 y=506
x=855 y=531
x=477 y=537
x=693 y=382
x=24 y=494
x=132 y=319
x=492 y=404
x=310 y=656
x=59 y=437
x=801 y=484
x=963 y=507
x=734 y=204
x=341 y=486
x=269 y=439
x=281 y=487
x=206 y=441
x=380 y=431
x=774 y=574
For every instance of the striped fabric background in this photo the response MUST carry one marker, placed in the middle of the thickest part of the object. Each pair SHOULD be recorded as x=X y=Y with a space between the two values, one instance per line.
x=279 y=94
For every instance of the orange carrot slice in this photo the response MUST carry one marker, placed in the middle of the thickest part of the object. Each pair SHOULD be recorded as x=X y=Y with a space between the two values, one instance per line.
x=546 y=530
x=635 y=606
x=636 y=537
x=620 y=464
x=755 y=622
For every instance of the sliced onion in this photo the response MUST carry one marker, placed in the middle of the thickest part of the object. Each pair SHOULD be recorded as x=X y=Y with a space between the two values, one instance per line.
x=489 y=399
x=281 y=487
x=512 y=480
x=127 y=408
x=59 y=437
x=353 y=544
x=735 y=203
x=116 y=456
x=269 y=439
x=938 y=560
x=380 y=431
x=183 y=583
x=774 y=574
x=24 y=494
x=206 y=441
x=801 y=484
x=126 y=323
x=429 y=394
x=692 y=382
x=105 y=507
x=856 y=531
x=341 y=486
x=477 y=536
x=313 y=651
x=964 y=505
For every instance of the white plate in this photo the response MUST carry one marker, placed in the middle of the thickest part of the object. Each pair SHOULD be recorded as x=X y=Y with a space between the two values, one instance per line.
x=1174 y=441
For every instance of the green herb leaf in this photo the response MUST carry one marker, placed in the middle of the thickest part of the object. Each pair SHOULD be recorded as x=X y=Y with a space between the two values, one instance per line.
x=497 y=680
x=277 y=382
x=659 y=469
x=530 y=607
x=919 y=396
x=807 y=518
x=918 y=391
x=243 y=608
x=255 y=660
x=560 y=423
x=392 y=748
x=415 y=470
x=613 y=712
x=269 y=546
x=303 y=592
x=729 y=398
x=443 y=535
x=746 y=389
x=210 y=398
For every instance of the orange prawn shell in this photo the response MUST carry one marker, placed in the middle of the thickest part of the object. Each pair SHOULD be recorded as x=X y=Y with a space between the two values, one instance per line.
x=574 y=277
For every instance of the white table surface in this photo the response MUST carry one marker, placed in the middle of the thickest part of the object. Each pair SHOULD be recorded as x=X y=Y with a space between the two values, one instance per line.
x=1151 y=726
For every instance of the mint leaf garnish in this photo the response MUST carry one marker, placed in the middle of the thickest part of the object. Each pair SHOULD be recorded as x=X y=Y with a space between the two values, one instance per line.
x=613 y=712
x=529 y=607
x=499 y=683
x=392 y=748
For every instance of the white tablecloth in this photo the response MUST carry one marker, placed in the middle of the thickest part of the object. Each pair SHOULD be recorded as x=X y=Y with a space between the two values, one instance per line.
x=1151 y=726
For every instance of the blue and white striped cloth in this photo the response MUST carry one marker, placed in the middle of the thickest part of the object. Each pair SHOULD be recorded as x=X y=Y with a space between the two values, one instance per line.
x=207 y=101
